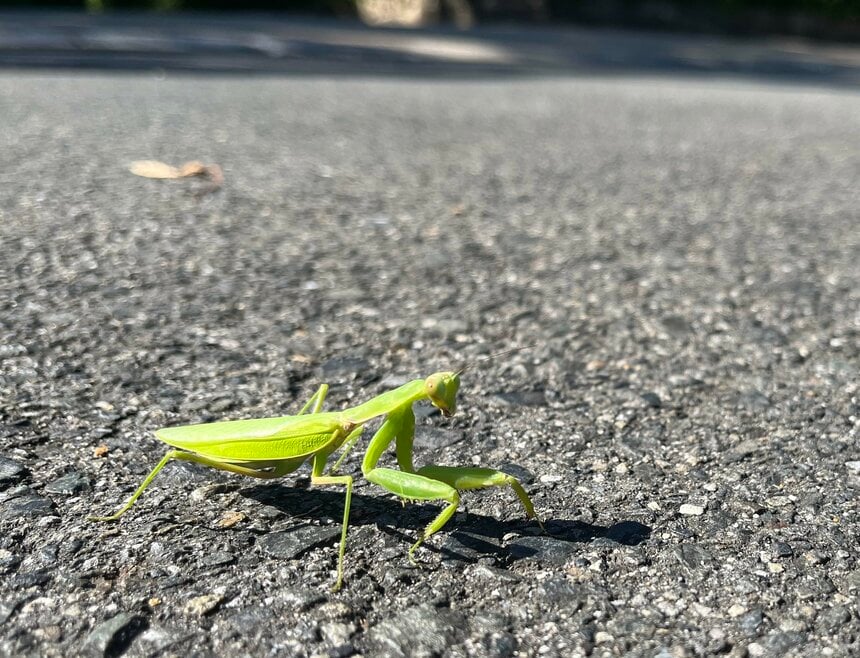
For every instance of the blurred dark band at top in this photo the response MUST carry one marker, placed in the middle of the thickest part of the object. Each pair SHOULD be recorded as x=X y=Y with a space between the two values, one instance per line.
x=820 y=19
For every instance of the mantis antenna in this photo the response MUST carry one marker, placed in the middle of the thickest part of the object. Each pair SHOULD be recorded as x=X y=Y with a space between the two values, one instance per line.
x=491 y=357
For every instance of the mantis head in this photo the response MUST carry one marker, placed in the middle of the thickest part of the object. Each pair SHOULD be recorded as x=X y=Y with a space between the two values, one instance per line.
x=441 y=388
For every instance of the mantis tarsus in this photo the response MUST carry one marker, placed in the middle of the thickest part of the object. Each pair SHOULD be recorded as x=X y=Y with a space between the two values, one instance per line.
x=273 y=447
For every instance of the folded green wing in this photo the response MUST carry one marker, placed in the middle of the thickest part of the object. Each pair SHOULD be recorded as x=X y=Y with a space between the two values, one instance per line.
x=259 y=439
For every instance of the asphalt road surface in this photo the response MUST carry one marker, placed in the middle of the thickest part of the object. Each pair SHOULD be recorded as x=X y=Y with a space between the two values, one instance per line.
x=679 y=254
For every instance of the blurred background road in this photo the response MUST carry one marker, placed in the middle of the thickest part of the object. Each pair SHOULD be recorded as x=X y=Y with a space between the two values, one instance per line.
x=277 y=44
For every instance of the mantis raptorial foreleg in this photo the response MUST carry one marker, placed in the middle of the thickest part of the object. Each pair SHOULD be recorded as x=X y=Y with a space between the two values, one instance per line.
x=429 y=482
x=465 y=478
x=407 y=484
x=461 y=478
x=412 y=486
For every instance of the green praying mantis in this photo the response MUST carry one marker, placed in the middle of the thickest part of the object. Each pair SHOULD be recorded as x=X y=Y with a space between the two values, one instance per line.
x=274 y=447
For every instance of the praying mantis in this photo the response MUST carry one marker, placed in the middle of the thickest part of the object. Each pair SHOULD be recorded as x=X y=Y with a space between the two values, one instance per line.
x=274 y=447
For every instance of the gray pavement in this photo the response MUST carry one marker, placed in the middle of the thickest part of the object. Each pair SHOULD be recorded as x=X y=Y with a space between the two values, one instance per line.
x=681 y=254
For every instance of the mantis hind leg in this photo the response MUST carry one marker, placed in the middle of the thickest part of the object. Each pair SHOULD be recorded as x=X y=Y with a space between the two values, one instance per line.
x=278 y=470
x=149 y=478
x=465 y=478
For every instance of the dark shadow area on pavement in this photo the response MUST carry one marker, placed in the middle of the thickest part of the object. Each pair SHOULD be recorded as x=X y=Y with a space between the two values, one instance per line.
x=466 y=538
x=286 y=45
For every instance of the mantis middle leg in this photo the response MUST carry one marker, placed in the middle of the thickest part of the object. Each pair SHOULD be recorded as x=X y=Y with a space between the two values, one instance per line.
x=317 y=478
x=316 y=399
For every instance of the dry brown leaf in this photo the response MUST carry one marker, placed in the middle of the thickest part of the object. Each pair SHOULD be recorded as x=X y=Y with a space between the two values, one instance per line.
x=153 y=169
x=216 y=175
x=100 y=451
x=230 y=519
x=192 y=168
x=161 y=170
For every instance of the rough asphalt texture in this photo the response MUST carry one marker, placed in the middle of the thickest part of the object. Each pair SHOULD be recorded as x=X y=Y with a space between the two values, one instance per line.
x=681 y=255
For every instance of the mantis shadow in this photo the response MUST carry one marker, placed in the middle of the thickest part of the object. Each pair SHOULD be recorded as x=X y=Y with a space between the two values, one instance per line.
x=469 y=537
x=300 y=501
x=477 y=536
